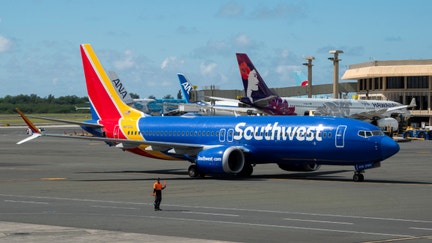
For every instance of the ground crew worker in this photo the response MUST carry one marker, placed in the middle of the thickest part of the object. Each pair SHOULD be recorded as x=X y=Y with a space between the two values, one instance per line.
x=157 y=193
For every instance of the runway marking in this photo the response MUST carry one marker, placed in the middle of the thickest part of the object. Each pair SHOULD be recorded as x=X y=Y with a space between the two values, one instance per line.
x=400 y=239
x=261 y=225
x=318 y=221
x=278 y=226
x=32 y=202
x=53 y=179
x=112 y=207
x=415 y=228
x=215 y=214
x=237 y=223
x=226 y=209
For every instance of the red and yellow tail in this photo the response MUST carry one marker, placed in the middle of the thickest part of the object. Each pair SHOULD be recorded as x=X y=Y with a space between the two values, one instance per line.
x=106 y=105
x=102 y=94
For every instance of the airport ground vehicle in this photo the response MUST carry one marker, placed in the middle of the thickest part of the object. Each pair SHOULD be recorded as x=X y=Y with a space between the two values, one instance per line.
x=421 y=133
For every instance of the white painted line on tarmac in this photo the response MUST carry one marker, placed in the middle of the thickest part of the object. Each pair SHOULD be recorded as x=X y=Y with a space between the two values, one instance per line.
x=32 y=202
x=318 y=221
x=214 y=214
x=278 y=226
x=113 y=207
x=416 y=228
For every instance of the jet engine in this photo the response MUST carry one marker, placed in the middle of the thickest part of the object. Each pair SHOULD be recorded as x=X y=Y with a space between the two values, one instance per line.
x=223 y=159
x=299 y=167
x=388 y=122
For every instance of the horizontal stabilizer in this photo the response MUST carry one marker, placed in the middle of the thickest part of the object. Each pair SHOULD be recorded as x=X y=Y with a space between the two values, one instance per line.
x=35 y=135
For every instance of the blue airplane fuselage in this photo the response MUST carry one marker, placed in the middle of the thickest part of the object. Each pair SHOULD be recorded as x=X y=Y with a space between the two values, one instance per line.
x=283 y=139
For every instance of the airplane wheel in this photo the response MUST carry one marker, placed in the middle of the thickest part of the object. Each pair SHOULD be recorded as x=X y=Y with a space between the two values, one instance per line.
x=193 y=171
x=358 y=177
x=246 y=171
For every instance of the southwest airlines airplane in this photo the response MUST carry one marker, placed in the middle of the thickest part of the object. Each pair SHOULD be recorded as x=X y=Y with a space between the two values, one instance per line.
x=258 y=95
x=226 y=144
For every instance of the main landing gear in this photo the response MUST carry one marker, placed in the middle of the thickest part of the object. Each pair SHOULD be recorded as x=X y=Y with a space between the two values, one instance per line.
x=194 y=172
x=358 y=176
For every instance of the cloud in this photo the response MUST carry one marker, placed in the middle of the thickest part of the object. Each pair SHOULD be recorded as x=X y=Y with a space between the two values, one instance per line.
x=213 y=48
x=126 y=62
x=171 y=62
x=243 y=41
x=285 y=68
x=5 y=44
x=230 y=9
x=207 y=68
x=286 y=11
x=187 y=30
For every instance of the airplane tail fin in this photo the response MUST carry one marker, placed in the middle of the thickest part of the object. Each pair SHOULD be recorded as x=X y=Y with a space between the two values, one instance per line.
x=120 y=88
x=301 y=78
x=105 y=100
x=255 y=87
x=256 y=91
x=412 y=103
x=185 y=86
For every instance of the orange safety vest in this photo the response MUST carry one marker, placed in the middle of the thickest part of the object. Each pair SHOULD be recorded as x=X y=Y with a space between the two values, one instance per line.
x=157 y=186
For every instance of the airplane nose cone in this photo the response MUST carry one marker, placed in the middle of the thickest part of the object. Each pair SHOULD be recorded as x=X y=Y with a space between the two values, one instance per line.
x=388 y=147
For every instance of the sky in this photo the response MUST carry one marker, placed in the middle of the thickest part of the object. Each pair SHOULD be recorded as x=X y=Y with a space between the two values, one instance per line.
x=148 y=42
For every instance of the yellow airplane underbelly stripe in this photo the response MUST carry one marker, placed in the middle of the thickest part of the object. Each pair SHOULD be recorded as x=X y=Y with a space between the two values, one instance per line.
x=157 y=153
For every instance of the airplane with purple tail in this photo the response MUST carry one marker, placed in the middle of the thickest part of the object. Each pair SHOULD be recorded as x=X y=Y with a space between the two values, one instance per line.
x=258 y=95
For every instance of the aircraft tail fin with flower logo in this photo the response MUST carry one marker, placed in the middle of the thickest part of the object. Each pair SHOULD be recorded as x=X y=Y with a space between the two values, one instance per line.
x=257 y=94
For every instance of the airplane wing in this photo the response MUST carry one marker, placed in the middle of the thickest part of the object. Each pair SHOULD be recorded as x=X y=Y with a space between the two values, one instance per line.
x=227 y=108
x=225 y=99
x=87 y=124
x=35 y=130
x=235 y=110
x=379 y=113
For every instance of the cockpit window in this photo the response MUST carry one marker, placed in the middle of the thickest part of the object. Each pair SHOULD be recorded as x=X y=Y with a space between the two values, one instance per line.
x=367 y=134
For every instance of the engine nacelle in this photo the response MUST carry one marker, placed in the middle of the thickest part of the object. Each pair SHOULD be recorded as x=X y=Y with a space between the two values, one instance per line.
x=299 y=167
x=220 y=160
x=388 y=122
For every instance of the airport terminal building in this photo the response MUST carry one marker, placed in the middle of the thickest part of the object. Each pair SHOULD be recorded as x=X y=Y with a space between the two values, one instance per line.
x=398 y=81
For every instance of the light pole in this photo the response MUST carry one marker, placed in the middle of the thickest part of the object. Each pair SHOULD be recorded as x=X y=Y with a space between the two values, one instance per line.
x=309 y=65
x=335 y=60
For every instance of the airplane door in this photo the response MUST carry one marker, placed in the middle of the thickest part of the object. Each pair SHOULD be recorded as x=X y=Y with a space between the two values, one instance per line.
x=222 y=135
x=340 y=136
x=230 y=135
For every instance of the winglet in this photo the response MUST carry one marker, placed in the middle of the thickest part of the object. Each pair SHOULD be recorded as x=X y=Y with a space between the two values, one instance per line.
x=33 y=128
x=27 y=121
